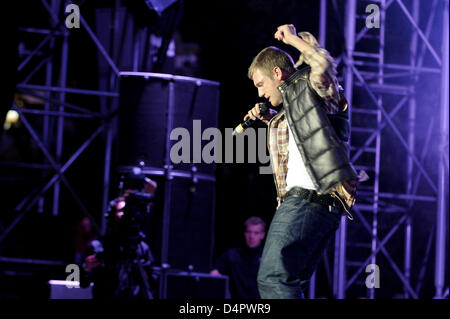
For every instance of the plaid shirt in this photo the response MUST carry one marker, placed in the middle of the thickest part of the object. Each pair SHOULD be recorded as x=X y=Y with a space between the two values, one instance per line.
x=323 y=80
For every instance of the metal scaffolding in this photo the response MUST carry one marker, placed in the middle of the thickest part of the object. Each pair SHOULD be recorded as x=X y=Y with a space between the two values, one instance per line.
x=57 y=109
x=371 y=95
x=374 y=102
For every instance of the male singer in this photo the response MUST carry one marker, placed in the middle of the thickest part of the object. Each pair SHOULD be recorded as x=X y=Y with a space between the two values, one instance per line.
x=308 y=138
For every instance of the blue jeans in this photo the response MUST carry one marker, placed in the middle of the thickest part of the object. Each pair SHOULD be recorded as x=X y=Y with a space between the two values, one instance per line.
x=297 y=237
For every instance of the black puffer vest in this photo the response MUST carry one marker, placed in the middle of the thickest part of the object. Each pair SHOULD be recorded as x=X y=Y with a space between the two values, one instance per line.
x=321 y=138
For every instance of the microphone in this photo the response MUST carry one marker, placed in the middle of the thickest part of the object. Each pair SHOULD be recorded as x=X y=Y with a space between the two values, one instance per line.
x=263 y=109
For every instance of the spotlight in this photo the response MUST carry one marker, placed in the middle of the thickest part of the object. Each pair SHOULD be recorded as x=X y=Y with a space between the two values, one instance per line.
x=12 y=117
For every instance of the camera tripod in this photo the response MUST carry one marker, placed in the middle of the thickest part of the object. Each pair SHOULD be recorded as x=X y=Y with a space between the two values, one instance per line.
x=132 y=280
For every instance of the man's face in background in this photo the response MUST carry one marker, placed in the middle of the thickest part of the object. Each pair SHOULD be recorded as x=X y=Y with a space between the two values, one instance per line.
x=254 y=235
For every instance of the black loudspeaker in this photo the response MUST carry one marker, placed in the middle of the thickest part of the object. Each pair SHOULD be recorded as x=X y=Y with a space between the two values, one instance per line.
x=152 y=106
x=143 y=121
x=191 y=236
x=180 y=230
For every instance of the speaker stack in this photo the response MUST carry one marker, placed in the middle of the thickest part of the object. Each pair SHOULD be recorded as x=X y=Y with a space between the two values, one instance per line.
x=152 y=105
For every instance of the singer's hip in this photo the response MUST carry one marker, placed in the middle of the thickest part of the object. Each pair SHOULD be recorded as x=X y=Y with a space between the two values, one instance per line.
x=297 y=235
x=330 y=202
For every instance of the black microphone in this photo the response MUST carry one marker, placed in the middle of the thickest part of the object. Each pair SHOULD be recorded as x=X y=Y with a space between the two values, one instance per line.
x=263 y=110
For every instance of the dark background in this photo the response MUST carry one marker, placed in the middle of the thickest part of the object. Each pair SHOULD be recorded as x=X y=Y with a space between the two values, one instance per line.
x=228 y=34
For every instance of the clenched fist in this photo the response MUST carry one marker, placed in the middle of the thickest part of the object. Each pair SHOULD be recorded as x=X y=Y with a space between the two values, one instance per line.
x=286 y=33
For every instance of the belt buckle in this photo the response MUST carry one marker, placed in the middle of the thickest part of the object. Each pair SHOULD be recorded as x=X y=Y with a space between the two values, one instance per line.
x=336 y=205
x=334 y=210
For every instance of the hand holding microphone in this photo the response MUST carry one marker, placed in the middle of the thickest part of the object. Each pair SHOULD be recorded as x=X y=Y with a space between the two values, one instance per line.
x=256 y=113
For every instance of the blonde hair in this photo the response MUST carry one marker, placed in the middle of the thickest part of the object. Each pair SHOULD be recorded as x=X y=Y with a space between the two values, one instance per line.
x=268 y=59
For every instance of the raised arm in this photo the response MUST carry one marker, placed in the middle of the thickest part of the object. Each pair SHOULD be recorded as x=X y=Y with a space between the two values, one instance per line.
x=322 y=75
x=288 y=35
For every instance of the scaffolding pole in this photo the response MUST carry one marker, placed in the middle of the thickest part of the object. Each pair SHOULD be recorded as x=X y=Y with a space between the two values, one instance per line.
x=54 y=162
x=364 y=72
x=442 y=212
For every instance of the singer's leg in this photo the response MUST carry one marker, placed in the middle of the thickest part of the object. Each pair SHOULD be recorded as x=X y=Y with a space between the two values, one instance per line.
x=297 y=236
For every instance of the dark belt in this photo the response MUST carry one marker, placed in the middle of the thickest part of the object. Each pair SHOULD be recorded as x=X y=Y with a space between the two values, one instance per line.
x=311 y=196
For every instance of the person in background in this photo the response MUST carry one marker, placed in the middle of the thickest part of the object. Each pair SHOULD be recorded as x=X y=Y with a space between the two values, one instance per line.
x=84 y=235
x=241 y=264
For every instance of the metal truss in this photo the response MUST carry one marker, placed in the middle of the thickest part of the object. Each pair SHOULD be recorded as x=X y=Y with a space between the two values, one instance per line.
x=56 y=109
x=366 y=79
